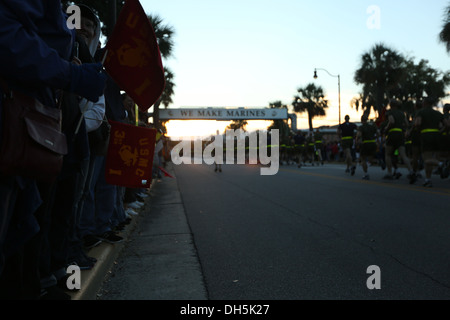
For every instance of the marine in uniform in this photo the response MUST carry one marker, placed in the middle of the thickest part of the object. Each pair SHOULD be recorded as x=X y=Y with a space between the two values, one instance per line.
x=366 y=139
x=430 y=122
x=346 y=132
x=395 y=139
x=318 y=143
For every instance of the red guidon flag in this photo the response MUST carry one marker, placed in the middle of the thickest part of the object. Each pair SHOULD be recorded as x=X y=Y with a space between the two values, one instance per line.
x=133 y=58
x=129 y=162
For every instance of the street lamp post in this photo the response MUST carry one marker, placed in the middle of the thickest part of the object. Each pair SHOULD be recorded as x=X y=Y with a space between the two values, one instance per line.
x=339 y=87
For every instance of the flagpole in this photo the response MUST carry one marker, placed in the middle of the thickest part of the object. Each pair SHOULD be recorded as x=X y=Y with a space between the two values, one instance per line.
x=136 y=114
x=87 y=101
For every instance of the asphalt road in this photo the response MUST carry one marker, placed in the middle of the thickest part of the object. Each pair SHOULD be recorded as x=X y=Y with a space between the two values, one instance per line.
x=309 y=233
x=312 y=233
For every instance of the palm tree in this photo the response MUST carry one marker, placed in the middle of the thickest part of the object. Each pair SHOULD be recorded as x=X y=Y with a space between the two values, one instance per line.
x=165 y=99
x=445 y=33
x=420 y=80
x=310 y=99
x=281 y=125
x=166 y=96
x=238 y=124
x=380 y=73
x=164 y=36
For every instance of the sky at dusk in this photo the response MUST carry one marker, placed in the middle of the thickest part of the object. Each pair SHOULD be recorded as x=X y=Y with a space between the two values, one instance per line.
x=249 y=53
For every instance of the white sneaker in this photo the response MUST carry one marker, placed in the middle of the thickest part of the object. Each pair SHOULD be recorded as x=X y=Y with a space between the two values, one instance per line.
x=135 y=205
x=142 y=195
x=131 y=212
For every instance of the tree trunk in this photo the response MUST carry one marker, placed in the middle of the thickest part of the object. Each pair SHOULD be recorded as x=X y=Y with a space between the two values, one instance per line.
x=310 y=118
x=156 y=113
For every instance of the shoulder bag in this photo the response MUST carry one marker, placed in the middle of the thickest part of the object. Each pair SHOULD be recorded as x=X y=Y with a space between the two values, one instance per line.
x=32 y=144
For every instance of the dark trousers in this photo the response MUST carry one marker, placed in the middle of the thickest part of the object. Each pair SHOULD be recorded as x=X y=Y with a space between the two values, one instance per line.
x=20 y=278
x=58 y=226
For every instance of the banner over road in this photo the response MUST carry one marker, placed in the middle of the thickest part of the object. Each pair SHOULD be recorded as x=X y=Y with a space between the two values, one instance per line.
x=224 y=114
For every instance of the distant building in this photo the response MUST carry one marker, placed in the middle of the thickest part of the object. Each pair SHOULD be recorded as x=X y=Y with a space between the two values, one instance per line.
x=329 y=132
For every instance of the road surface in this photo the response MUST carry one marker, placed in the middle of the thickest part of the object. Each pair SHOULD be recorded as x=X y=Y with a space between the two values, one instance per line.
x=309 y=233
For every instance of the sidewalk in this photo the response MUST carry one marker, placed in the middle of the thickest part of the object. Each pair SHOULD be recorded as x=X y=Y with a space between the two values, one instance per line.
x=157 y=259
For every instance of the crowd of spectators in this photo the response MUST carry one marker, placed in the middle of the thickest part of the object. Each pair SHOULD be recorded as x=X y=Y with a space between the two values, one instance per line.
x=47 y=226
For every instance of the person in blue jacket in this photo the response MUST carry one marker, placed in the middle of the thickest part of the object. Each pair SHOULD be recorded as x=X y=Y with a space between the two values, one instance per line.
x=36 y=47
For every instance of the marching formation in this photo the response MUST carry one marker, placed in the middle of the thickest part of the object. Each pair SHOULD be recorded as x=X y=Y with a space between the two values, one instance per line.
x=419 y=143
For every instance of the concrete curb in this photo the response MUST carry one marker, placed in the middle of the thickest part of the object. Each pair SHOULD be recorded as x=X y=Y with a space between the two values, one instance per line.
x=106 y=254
